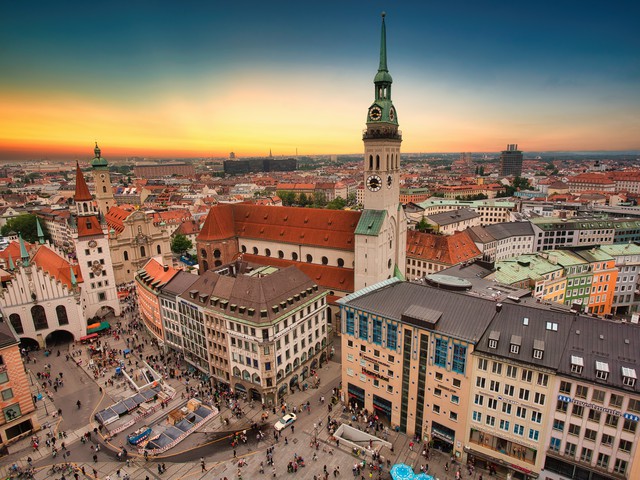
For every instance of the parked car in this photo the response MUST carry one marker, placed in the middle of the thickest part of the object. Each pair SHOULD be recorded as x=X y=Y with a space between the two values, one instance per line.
x=285 y=421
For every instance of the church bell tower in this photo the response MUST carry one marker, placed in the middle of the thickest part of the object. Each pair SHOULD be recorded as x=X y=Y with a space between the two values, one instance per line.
x=102 y=181
x=382 y=230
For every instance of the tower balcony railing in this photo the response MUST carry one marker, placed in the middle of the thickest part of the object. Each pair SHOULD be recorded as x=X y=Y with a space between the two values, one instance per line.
x=382 y=132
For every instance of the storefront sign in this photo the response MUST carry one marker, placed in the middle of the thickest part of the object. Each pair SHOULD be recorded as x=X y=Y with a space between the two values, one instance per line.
x=374 y=374
x=373 y=360
x=599 y=408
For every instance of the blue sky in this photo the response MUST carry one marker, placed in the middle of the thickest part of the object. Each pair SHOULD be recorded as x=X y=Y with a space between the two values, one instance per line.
x=212 y=77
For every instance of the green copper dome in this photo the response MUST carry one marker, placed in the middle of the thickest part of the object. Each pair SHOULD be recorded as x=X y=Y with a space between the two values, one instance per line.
x=98 y=161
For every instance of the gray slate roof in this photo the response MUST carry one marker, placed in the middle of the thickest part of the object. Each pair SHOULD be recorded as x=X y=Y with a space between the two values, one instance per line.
x=461 y=316
x=594 y=339
x=6 y=335
x=453 y=216
x=253 y=292
x=510 y=325
x=179 y=283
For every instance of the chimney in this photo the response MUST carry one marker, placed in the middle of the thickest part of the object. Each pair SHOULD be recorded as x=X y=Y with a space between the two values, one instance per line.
x=498 y=307
x=165 y=268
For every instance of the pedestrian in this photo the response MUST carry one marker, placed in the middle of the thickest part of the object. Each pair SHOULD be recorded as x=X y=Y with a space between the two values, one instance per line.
x=95 y=458
x=204 y=468
x=293 y=429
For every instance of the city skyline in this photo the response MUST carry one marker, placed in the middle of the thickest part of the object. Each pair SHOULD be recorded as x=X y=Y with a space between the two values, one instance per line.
x=157 y=80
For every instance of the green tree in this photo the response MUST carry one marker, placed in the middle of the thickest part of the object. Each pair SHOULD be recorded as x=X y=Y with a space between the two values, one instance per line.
x=288 y=198
x=181 y=244
x=303 y=200
x=319 y=199
x=26 y=226
x=424 y=226
x=352 y=199
x=337 y=203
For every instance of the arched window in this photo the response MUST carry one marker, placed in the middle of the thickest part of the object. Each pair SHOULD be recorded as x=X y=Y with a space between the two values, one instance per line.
x=126 y=256
x=16 y=323
x=377 y=162
x=244 y=249
x=143 y=252
x=340 y=262
x=236 y=372
x=294 y=256
x=255 y=250
x=246 y=375
x=255 y=378
x=280 y=254
x=217 y=263
x=370 y=162
x=61 y=312
x=104 y=189
x=205 y=265
x=267 y=252
x=39 y=317
x=158 y=249
x=203 y=253
x=309 y=258
x=217 y=253
x=325 y=261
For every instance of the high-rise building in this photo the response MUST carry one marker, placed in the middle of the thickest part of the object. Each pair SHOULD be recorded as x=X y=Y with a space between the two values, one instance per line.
x=511 y=161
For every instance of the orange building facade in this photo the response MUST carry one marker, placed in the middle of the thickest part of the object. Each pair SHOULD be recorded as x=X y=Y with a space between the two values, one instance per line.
x=149 y=280
x=19 y=417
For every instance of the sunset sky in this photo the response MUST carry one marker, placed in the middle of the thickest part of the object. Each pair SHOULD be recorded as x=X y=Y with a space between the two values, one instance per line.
x=196 y=78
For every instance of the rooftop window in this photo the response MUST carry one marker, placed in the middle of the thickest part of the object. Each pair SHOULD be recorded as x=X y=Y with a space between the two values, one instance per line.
x=602 y=370
x=577 y=364
x=629 y=376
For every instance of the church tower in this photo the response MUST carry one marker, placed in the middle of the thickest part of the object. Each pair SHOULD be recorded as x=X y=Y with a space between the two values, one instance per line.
x=102 y=180
x=99 y=290
x=381 y=234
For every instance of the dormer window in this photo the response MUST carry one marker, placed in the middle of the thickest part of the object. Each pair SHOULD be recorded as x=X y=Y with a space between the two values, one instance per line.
x=516 y=342
x=553 y=326
x=193 y=293
x=629 y=376
x=494 y=336
x=602 y=370
x=538 y=349
x=577 y=364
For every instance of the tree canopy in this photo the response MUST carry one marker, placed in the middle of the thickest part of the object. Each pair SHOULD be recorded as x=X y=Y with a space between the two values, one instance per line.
x=26 y=226
x=181 y=244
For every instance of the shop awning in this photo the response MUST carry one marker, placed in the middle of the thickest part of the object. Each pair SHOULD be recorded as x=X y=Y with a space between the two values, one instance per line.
x=89 y=337
x=100 y=327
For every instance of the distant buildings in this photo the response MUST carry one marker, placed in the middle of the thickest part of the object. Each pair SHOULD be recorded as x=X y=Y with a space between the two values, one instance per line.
x=511 y=161
x=238 y=167
x=165 y=170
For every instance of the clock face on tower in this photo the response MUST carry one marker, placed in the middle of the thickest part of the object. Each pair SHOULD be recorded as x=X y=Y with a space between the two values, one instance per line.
x=92 y=244
x=389 y=181
x=375 y=113
x=392 y=114
x=374 y=183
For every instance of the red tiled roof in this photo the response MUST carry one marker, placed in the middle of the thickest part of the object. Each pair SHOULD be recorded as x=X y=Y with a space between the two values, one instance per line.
x=56 y=266
x=444 y=249
x=331 y=278
x=88 y=226
x=115 y=218
x=190 y=227
x=300 y=226
x=219 y=224
x=82 y=190
x=14 y=250
x=156 y=271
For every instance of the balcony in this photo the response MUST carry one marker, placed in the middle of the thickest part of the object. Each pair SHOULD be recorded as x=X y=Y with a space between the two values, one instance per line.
x=382 y=132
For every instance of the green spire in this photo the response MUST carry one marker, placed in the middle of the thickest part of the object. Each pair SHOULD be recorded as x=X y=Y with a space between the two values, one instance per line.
x=40 y=232
x=383 y=72
x=383 y=46
x=24 y=255
x=12 y=266
x=74 y=282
